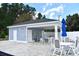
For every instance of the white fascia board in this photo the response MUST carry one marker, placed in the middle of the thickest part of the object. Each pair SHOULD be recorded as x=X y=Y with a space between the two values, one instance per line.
x=43 y=24
x=16 y=26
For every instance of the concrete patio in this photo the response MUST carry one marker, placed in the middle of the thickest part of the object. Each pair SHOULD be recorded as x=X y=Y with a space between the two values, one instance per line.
x=25 y=49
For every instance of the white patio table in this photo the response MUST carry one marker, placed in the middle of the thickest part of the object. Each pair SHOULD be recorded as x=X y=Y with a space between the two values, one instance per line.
x=66 y=44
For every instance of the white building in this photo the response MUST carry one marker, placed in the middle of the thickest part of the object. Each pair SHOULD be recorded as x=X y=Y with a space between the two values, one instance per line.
x=34 y=30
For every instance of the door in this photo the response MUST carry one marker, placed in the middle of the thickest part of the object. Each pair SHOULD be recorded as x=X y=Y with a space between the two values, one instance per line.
x=14 y=35
x=29 y=35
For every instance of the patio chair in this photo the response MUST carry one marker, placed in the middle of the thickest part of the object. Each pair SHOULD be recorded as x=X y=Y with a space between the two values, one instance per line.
x=51 y=43
x=57 y=48
x=74 y=48
x=51 y=40
x=42 y=40
x=67 y=39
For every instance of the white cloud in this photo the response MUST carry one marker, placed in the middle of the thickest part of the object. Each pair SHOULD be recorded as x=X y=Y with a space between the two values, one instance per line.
x=71 y=13
x=44 y=9
x=51 y=15
x=46 y=5
x=53 y=11
x=36 y=14
x=58 y=10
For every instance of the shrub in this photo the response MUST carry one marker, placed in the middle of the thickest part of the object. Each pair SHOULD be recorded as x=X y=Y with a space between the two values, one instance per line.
x=2 y=35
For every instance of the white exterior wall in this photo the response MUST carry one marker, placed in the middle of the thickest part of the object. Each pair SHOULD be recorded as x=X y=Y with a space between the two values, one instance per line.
x=20 y=34
x=73 y=35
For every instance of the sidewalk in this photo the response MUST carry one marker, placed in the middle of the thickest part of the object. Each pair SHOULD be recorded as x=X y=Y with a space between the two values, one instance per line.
x=25 y=49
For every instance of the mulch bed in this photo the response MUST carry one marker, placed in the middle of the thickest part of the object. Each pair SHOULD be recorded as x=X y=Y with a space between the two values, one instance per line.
x=4 y=54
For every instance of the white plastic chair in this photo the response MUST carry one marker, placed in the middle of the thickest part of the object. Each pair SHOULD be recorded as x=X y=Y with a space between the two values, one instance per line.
x=41 y=39
x=57 y=48
x=74 y=48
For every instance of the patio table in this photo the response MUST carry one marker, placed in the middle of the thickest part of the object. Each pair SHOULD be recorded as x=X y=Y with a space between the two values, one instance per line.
x=66 y=45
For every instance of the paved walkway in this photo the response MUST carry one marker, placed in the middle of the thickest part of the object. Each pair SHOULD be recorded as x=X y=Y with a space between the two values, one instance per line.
x=25 y=49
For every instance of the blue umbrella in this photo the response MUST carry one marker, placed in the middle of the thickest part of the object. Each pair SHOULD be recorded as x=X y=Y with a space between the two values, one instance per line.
x=64 y=34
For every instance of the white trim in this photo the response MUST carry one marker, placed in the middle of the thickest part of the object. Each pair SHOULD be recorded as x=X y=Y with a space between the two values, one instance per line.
x=36 y=24
x=9 y=35
x=44 y=24
x=56 y=32
x=16 y=26
x=18 y=41
x=21 y=41
x=26 y=34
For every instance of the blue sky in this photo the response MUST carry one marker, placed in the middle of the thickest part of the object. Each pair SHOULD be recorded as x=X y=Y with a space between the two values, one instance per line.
x=53 y=10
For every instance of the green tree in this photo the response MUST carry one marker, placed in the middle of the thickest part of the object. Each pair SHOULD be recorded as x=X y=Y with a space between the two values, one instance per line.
x=73 y=22
x=27 y=14
x=39 y=16
x=44 y=17
x=11 y=13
